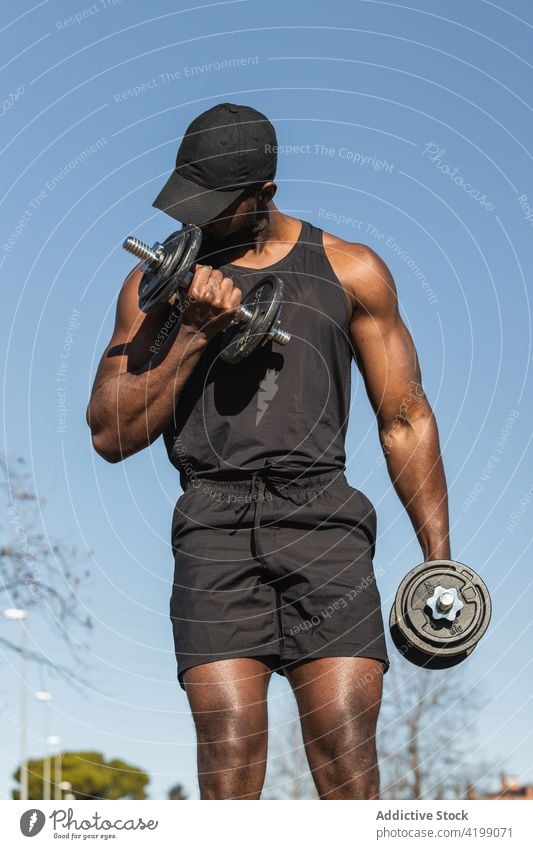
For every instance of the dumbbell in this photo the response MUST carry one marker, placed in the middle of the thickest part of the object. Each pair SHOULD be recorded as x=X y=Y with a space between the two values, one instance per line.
x=167 y=271
x=440 y=612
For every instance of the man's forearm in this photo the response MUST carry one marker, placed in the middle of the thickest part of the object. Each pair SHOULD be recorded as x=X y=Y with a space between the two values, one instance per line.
x=130 y=410
x=417 y=473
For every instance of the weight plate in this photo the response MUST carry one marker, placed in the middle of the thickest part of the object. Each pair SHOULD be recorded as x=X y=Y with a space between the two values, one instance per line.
x=159 y=282
x=190 y=252
x=264 y=301
x=420 y=658
x=439 y=643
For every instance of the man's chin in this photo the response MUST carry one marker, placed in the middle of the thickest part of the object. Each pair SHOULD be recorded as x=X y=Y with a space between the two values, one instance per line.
x=224 y=239
x=216 y=233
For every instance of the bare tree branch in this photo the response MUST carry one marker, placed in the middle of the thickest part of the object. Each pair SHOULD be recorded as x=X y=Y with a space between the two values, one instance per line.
x=39 y=573
x=427 y=733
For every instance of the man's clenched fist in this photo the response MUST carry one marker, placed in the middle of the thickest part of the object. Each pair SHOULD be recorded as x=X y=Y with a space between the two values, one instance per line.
x=211 y=301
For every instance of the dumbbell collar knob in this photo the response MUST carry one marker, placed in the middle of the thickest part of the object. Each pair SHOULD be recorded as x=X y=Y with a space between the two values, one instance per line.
x=445 y=603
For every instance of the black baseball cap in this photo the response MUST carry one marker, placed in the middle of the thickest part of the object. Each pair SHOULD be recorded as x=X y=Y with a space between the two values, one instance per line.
x=223 y=151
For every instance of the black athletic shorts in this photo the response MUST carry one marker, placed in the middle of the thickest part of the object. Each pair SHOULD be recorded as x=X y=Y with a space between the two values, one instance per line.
x=275 y=569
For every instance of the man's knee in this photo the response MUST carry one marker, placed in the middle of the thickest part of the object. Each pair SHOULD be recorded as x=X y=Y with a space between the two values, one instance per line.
x=232 y=754
x=231 y=723
x=345 y=760
x=348 y=740
x=237 y=757
x=230 y=737
x=345 y=735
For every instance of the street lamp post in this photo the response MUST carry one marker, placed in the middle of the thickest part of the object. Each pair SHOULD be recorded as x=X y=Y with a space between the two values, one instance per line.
x=55 y=741
x=16 y=614
x=44 y=697
x=57 y=774
x=66 y=788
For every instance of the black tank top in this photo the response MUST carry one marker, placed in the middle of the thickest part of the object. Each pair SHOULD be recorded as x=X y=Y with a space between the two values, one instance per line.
x=286 y=407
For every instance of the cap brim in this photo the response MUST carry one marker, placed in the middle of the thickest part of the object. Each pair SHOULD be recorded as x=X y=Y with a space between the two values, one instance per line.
x=190 y=203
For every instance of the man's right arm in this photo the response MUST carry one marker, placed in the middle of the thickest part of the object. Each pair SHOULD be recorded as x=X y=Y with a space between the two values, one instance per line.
x=148 y=361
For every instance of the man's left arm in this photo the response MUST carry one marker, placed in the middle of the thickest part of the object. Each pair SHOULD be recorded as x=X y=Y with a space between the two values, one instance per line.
x=388 y=361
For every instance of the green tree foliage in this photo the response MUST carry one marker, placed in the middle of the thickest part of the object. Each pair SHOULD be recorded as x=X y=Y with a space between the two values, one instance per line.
x=177 y=793
x=91 y=777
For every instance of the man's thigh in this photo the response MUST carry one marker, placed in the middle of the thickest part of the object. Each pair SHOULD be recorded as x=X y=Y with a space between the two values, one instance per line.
x=221 y=606
x=228 y=697
x=339 y=700
x=330 y=601
x=338 y=695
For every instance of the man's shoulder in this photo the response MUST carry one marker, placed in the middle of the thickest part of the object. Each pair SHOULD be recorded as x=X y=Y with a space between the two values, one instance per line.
x=343 y=248
x=355 y=264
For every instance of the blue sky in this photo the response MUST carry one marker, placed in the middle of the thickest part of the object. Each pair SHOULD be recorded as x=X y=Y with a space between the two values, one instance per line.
x=411 y=122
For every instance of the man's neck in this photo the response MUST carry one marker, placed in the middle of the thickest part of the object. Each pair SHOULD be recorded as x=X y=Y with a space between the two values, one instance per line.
x=270 y=245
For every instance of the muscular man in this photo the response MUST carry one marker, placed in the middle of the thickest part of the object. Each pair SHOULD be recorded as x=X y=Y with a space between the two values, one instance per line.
x=273 y=547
